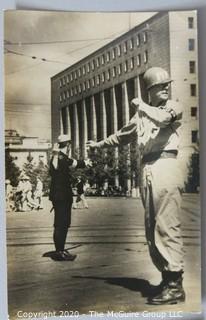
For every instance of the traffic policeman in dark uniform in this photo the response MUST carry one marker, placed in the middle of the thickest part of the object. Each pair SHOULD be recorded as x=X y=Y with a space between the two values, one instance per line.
x=61 y=194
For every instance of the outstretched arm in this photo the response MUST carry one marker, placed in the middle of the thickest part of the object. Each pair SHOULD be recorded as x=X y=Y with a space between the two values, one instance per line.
x=122 y=137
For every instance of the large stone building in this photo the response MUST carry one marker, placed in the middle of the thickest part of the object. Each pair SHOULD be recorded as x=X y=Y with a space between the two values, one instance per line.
x=91 y=99
x=23 y=148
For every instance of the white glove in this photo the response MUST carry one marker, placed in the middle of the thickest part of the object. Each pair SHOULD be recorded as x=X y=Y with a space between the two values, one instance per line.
x=88 y=163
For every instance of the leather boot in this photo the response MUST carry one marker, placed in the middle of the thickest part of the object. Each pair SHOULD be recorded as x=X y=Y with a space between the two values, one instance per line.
x=172 y=290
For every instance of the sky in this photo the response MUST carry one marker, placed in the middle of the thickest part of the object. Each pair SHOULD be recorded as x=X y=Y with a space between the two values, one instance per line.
x=39 y=44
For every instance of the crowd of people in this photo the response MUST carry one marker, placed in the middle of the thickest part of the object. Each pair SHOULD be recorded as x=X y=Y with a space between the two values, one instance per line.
x=23 y=198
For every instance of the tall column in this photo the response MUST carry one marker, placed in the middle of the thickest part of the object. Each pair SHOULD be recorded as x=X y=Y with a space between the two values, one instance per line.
x=68 y=121
x=103 y=117
x=137 y=92
x=114 y=128
x=93 y=120
x=125 y=104
x=103 y=125
x=137 y=89
x=84 y=129
x=125 y=118
x=68 y=126
x=76 y=130
x=61 y=122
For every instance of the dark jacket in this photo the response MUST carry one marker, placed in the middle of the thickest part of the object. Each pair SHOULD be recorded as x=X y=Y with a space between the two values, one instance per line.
x=60 y=188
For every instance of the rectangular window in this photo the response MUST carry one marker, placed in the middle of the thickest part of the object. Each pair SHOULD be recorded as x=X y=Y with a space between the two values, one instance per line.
x=146 y=56
x=191 y=44
x=108 y=74
x=98 y=61
x=103 y=59
x=80 y=88
x=67 y=78
x=60 y=98
x=114 y=72
x=88 y=67
x=125 y=47
x=144 y=37
x=93 y=64
x=88 y=84
x=79 y=72
x=190 y=22
x=64 y=81
x=126 y=66
x=113 y=53
x=120 y=69
x=64 y=95
x=192 y=66
x=98 y=79
x=75 y=75
x=60 y=83
x=138 y=40
x=194 y=136
x=72 y=76
x=139 y=60
x=103 y=77
x=108 y=56
x=83 y=70
x=193 y=90
x=68 y=94
x=75 y=90
x=93 y=82
x=72 y=92
x=194 y=112
x=84 y=86
x=119 y=50
x=131 y=43
x=132 y=63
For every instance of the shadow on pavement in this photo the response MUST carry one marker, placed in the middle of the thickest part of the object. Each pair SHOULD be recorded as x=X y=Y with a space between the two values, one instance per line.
x=133 y=284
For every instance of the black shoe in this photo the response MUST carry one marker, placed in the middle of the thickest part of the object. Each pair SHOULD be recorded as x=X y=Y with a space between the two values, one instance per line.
x=63 y=256
x=69 y=255
x=172 y=293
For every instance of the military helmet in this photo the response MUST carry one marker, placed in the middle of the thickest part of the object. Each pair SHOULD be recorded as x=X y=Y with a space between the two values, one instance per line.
x=155 y=76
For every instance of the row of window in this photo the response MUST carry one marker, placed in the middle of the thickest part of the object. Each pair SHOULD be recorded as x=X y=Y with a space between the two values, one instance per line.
x=128 y=65
x=104 y=58
x=101 y=79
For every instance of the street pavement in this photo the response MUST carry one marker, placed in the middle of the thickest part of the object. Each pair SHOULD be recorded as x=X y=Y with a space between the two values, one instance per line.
x=112 y=272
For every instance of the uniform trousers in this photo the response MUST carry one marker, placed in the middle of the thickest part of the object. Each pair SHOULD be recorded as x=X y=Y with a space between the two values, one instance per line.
x=62 y=221
x=161 y=183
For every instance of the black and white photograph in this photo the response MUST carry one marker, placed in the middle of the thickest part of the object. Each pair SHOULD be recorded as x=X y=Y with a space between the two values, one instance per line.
x=102 y=178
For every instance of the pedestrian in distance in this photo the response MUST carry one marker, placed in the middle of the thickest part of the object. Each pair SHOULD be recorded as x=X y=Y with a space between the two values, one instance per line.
x=24 y=199
x=9 y=196
x=38 y=193
x=61 y=194
x=156 y=128
x=81 y=201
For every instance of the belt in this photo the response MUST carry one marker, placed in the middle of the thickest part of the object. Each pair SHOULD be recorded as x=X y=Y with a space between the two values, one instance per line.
x=164 y=154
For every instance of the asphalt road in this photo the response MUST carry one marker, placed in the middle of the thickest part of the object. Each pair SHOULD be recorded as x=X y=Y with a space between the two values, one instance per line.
x=112 y=272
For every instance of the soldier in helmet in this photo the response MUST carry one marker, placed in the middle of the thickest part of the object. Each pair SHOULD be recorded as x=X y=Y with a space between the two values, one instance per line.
x=61 y=194
x=156 y=128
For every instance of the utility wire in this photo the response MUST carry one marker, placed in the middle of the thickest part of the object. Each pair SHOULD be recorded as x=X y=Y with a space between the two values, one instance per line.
x=33 y=57
x=6 y=42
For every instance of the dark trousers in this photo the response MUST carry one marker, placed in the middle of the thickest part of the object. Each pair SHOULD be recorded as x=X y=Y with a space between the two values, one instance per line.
x=62 y=221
